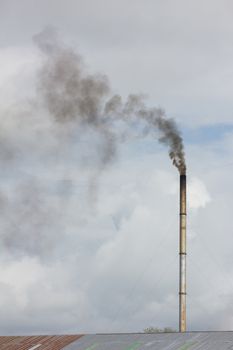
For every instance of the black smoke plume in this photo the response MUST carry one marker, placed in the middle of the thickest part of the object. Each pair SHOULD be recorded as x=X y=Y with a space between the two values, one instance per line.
x=72 y=95
x=54 y=148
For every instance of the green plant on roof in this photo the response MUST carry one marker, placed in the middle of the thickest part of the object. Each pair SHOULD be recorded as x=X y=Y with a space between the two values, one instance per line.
x=159 y=330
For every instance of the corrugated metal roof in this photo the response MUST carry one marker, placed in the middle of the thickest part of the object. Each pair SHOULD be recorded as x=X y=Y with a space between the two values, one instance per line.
x=163 y=341
x=140 y=341
x=55 y=342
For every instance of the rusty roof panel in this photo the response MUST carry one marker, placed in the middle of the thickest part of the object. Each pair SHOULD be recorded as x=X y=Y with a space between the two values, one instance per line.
x=48 y=342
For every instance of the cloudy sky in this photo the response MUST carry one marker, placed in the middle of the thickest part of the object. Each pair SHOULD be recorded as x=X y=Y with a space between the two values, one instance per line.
x=89 y=243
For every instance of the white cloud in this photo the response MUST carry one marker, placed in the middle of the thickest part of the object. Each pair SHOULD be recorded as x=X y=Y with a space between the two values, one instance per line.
x=198 y=196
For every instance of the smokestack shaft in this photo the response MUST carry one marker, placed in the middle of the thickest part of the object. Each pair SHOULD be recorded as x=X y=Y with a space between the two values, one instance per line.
x=182 y=284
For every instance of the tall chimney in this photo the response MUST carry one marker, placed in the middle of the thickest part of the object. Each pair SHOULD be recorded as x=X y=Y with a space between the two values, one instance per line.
x=182 y=284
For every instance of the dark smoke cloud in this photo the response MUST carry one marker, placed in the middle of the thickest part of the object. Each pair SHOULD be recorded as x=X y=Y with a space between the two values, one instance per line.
x=70 y=131
x=72 y=95
x=26 y=221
